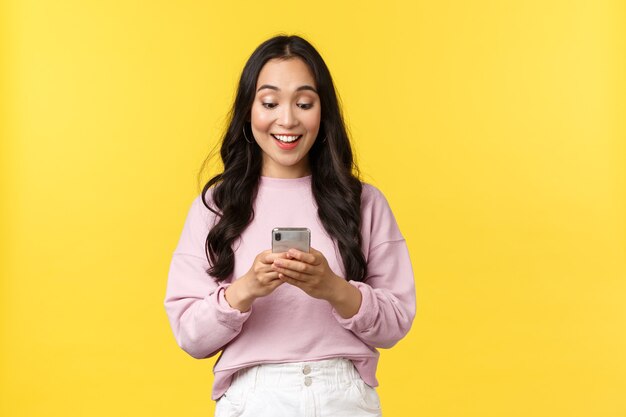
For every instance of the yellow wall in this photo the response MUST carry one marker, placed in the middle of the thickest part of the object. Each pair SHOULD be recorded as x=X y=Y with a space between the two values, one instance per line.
x=495 y=129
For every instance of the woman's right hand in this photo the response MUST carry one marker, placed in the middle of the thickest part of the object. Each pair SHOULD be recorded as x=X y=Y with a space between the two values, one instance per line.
x=259 y=281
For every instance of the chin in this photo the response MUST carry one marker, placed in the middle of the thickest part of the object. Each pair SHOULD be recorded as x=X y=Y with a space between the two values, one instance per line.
x=288 y=164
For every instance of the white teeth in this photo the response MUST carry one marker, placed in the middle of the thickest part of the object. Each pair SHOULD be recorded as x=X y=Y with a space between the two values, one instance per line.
x=284 y=138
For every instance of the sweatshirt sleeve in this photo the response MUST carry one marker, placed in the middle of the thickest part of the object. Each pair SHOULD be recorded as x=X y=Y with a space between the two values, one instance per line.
x=388 y=293
x=202 y=320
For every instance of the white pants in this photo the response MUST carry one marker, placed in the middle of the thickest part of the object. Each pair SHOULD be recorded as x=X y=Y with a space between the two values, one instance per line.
x=324 y=388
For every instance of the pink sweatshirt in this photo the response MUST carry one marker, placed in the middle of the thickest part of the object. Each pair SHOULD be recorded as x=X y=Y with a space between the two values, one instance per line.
x=288 y=325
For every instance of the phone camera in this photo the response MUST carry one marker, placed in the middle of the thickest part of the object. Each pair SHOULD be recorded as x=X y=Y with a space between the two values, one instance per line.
x=278 y=236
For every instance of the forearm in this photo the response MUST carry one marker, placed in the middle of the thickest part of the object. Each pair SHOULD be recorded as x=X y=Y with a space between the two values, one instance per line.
x=345 y=299
x=383 y=318
x=238 y=296
x=200 y=317
x=205 y=326
x=388 y=301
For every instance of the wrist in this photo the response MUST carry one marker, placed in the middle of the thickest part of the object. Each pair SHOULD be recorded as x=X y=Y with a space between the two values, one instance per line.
x=238 y=296
x=337 y=291
x=346 y=299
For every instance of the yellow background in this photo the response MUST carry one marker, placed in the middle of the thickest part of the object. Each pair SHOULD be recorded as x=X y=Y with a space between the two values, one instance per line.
x=495 y=129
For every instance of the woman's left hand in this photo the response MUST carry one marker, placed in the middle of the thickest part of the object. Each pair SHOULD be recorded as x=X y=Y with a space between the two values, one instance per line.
x=309 y=272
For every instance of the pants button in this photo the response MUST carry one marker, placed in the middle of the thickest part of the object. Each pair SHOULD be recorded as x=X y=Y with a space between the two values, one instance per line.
x=306 y=370
x=308 y=381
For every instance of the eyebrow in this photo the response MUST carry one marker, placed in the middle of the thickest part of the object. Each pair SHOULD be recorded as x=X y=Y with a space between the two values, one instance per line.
x=302 y=87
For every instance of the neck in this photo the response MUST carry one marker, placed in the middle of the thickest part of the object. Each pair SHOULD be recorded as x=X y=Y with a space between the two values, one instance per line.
x=286 y=172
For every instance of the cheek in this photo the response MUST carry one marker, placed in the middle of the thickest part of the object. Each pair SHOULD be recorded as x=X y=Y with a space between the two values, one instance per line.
x=312 y=121
x=260 y=120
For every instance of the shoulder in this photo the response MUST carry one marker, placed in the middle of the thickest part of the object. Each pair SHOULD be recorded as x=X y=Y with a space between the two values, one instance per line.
x=370 y=193
x=372 y=198
x=378 y=224
x=199 y=212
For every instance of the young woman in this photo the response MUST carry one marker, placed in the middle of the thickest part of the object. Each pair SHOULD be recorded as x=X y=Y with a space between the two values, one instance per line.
x=298 y=331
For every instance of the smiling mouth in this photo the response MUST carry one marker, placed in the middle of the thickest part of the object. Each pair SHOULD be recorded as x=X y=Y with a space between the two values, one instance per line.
x=286 y=138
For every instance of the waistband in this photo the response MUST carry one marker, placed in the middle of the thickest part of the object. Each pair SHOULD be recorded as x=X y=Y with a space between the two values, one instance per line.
x=335 y=373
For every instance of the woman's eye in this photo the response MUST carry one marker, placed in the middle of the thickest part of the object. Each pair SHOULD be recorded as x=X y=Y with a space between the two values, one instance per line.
x=304 y=106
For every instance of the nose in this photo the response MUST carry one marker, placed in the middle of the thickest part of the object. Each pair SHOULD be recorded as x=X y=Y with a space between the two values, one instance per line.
x=287 y=117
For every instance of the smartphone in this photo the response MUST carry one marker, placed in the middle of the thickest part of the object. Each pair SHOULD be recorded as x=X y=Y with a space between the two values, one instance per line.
x=285 y=238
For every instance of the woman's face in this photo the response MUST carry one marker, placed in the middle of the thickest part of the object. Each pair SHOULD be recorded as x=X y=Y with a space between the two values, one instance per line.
x=285 y=117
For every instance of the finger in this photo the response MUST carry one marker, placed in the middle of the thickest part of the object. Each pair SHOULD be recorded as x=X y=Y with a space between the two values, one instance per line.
x=319 y=256
x=312 y=257
x=290 y=280
x=296 y=266
x=276 y=283
x=268 y=277
x=271 y=256
x=263 y=269
x=291 y=274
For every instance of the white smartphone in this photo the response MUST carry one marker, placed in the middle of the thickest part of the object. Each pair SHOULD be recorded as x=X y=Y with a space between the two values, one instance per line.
x=285 y=238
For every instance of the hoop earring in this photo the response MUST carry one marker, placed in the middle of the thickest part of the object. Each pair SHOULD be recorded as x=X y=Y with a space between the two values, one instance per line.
x=244 y=134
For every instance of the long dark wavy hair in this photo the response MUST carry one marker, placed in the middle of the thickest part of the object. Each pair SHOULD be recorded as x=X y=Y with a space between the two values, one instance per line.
x=335 y=176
